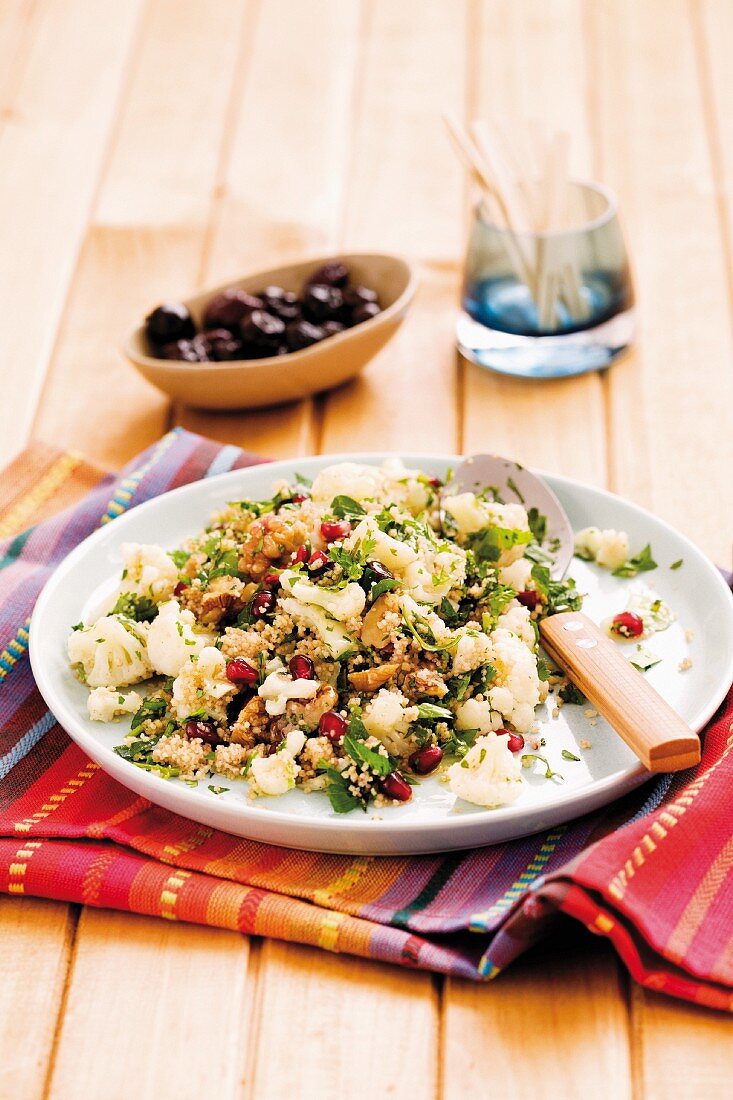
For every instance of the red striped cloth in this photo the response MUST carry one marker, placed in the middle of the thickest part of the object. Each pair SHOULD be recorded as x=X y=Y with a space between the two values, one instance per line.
x=653 y=872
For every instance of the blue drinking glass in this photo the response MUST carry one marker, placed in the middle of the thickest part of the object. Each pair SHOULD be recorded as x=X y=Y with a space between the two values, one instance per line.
x=548 y=305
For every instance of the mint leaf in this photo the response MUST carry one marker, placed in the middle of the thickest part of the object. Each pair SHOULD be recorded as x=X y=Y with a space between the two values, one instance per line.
x=642 y=563
x=489 y=543
x=344 y=507
x=431 y=712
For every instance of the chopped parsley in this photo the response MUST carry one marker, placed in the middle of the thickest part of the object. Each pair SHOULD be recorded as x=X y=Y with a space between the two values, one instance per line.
x=677 y=564
x=641 y=563
x=569 y=693
x=344 y=507
x=140 y=608
x=489 y=543
x=568 y=755
x=528 y=758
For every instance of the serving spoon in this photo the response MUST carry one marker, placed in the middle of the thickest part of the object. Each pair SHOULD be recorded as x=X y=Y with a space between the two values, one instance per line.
x=589 y=658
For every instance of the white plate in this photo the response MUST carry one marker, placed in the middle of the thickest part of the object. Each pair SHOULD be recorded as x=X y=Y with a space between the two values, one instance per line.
x=434 y=820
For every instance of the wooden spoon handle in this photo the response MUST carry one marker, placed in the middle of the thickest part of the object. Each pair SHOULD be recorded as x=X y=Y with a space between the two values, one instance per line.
x=618 y=691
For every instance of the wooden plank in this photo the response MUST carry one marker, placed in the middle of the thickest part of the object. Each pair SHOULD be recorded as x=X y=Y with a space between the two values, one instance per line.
x=549 y=1027
x=407 y=398
x=154 y=1009
x=342 y=997
x=282 y=188
x=670 y=402
x=149 y=228
x=52 y=149
x=35 y=947
x=365 y=1029
x=530 y=63
x=679 y=1049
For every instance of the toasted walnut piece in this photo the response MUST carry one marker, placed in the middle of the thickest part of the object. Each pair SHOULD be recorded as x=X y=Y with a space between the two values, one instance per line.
x=307 y=712
x=373 y=632
x=223 y=596
x=372 y=678
x=426 y=681
x=252 y=724
x=270 y=540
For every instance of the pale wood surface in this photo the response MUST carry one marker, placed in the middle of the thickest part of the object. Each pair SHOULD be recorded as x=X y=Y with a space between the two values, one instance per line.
x=150 y=147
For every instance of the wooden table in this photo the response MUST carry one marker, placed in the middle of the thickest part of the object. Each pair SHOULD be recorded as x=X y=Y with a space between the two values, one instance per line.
x=150 y=147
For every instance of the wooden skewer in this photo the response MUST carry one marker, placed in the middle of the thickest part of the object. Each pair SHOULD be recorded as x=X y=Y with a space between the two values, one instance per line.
x=595 y=664
x=494 y=199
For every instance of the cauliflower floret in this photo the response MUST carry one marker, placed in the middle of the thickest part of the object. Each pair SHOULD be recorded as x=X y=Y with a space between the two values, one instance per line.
x=473 y=650
x=432 y=577
x=279 y=687
x=412 y=610
x=331 y=632
x=613 y=550
x=408 y=487
x=472 y=514
x=112 y=652
x=476 y=714
x=104 y=704
x=148 y=571
x=517 y=689
x=387 y=717
x=273 y=775
x=517 y=575
x=608 y=548
x=172 y=639
x=488 y=775
x=202 y=683
x=517 y=619
x=392 y=553
x=349 y=479
x=343 y=604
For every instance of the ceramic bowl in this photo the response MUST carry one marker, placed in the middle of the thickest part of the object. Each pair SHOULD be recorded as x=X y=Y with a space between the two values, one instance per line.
x=252 y=383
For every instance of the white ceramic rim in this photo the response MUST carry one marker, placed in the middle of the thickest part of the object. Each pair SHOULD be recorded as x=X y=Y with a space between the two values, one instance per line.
x=325 y=830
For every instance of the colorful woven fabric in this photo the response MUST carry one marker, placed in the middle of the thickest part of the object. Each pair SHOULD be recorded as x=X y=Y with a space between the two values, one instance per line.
x=654 y=872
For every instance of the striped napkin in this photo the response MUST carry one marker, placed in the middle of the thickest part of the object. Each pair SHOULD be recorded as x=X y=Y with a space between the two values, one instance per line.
x=653 y=872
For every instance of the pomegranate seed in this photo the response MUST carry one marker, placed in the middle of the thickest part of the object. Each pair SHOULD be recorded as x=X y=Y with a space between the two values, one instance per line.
x=298 y=498
x=262 y=603
x=302 y=668
x=529 y=598
x=240 y=671
x=515 y=743
x=317 y=560
x=339 y=529
x=197 y=727
x=181 y=588
x=272 y=580
x=332 y=726
x=426 y=760
x=394 y=786
x=300 y=556
x=435 y=482
x=627 y=624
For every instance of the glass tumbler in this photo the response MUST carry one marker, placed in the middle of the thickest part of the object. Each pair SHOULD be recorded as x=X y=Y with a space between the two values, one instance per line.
x=547 y=305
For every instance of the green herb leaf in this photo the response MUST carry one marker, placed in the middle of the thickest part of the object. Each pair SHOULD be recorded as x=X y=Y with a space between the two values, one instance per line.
x=642 y=563
x=568 y=755
x=528 y=759
x=151 y=708
x=489 y=543
x=537 y=525
x=431 y=712
x=344 y=507
x=217 y=790
x=387 y=584
x=677 y=564
x=180 y=557
x=570 y=694
x=362 y=754
x=139 y=608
